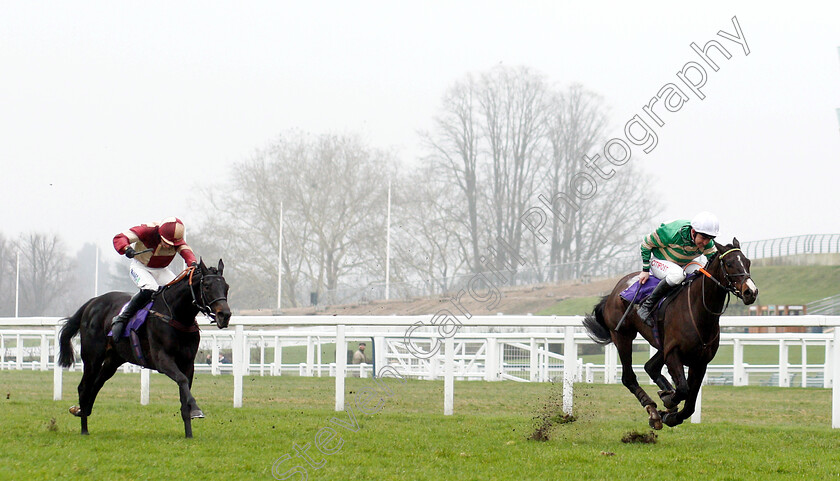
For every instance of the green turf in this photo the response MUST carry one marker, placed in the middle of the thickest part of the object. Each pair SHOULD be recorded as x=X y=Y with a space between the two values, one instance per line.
x=747 y=433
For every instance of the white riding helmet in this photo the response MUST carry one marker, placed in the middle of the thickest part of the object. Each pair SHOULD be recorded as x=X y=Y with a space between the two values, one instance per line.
x=706 y=223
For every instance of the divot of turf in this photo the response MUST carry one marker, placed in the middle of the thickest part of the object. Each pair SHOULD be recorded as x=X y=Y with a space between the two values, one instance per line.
x=637 y=437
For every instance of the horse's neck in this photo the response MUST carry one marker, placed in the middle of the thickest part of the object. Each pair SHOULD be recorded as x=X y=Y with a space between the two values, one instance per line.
x=179 y=300
x=715 y=297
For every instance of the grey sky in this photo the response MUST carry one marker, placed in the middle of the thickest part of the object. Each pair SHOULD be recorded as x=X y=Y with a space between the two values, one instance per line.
x=101 y=101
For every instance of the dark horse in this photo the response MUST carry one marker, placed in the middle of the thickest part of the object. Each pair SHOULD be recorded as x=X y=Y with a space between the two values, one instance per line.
x=690 y=327
x=168 y=339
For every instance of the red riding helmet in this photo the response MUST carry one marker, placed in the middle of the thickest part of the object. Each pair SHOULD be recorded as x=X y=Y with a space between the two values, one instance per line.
x=172 y=231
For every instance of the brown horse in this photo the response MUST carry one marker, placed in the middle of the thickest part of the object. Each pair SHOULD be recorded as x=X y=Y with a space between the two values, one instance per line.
x=690 y=327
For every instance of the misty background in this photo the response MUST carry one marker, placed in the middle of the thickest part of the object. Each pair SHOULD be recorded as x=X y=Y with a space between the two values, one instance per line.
x=117 y=114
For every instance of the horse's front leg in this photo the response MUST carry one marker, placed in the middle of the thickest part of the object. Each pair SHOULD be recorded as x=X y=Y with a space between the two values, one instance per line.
x=695 y=381
x=189 y=408
x=676 y=369
x=654 y=369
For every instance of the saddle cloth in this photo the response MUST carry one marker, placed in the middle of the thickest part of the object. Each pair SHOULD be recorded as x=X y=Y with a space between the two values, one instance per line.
x=137 y=320
x=643 y=290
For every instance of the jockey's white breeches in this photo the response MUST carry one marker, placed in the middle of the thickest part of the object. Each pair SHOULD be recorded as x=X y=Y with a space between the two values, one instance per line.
x=671 y=272
x=150 y=277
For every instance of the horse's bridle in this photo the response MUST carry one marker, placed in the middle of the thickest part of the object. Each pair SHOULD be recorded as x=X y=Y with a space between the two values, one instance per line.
x=205 y=306
x=729 y=287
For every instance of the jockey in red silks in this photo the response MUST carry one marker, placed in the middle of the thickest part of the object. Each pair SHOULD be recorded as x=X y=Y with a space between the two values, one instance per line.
x=671 y=247
x=151 y=248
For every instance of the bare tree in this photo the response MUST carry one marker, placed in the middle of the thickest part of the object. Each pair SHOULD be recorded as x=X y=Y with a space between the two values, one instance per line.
x=333 y=191
x=45 y=275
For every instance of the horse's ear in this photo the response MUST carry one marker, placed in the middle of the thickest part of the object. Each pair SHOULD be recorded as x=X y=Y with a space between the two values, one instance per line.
x=221 y=266
x=202 y=266
x=720 y=247
x=735 y=242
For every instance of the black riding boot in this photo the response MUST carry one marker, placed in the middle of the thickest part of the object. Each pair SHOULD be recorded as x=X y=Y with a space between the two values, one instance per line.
x=645 y=308
x=135 y=304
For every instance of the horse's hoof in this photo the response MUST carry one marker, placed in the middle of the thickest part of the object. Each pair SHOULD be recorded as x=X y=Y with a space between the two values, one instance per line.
x=76 y=411
x=196 y=414
x=85 y=433
x=655 y=420
x=671 y=419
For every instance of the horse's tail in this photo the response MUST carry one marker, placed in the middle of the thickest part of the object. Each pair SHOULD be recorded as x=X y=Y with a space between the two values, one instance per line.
x=66 y=356
x=595 y=325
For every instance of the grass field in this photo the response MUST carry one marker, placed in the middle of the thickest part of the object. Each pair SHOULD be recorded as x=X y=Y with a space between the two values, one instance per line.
x=747 y=433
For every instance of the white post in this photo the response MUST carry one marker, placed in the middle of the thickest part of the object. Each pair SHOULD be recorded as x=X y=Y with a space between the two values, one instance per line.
x=278 y=356
x=45 y=352
x=804 y=364
x=533 y=360
x=569 y=368
x=388 y=247
x=590 y=376
x=738 y=363
x=784 y=379
x=827 y=367
x=340 y=366
x=379 y=353
x=262 y=356
x=491 y=369
x=280 y=261
x=238 y=364
x=449 y=376
x=214 y=357
x=318 y=350
x=835 y=374
x=310 y=355
x=18 y=353
x=546 y=360
x=363 y=369
x=611 y=369
x=144 y=386
x=56 y=369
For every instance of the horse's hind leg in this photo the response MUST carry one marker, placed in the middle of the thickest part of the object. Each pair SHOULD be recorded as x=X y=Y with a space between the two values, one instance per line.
x=654 y=369
x=628 y=378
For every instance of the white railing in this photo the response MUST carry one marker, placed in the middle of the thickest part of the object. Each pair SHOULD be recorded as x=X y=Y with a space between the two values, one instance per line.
x=473 y=353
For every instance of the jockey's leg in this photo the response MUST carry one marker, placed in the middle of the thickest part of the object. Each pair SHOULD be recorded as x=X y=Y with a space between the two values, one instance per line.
x=148 y=284
x=671 y=275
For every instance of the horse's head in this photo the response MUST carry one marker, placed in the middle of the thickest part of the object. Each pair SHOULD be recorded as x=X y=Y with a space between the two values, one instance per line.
x=213 y=293
x=735 y=269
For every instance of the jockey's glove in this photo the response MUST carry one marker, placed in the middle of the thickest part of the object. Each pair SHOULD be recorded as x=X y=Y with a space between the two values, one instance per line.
x=130 y=252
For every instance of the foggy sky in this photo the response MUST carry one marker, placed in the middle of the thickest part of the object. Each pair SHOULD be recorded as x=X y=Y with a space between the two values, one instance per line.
x=112 y=114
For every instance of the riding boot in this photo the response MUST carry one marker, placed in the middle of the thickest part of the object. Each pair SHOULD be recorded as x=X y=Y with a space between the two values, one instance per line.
x=135 y=304
x=646 y=308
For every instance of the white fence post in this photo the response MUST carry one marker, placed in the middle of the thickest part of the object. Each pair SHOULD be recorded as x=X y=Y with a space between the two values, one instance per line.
x=45 y=352
x=340 y=366
x=533 y=360
x=57 y=373
x=144 y=386
x=214 y=359
x=828 y=367
x=491 y=360
x=784 y=378
x=310 y=355
x=611 y=360
x=238 y=364
x=738 y=378
x=835 y=388
x=804 y=364
x=569 y=368
x=278 y=356
x=449 y=375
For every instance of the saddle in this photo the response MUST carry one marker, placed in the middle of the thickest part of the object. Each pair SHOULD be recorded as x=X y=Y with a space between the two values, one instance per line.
x=133 y=325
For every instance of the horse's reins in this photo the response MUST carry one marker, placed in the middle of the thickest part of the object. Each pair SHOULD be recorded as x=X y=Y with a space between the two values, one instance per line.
x=729 y=288
x=203 y=308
